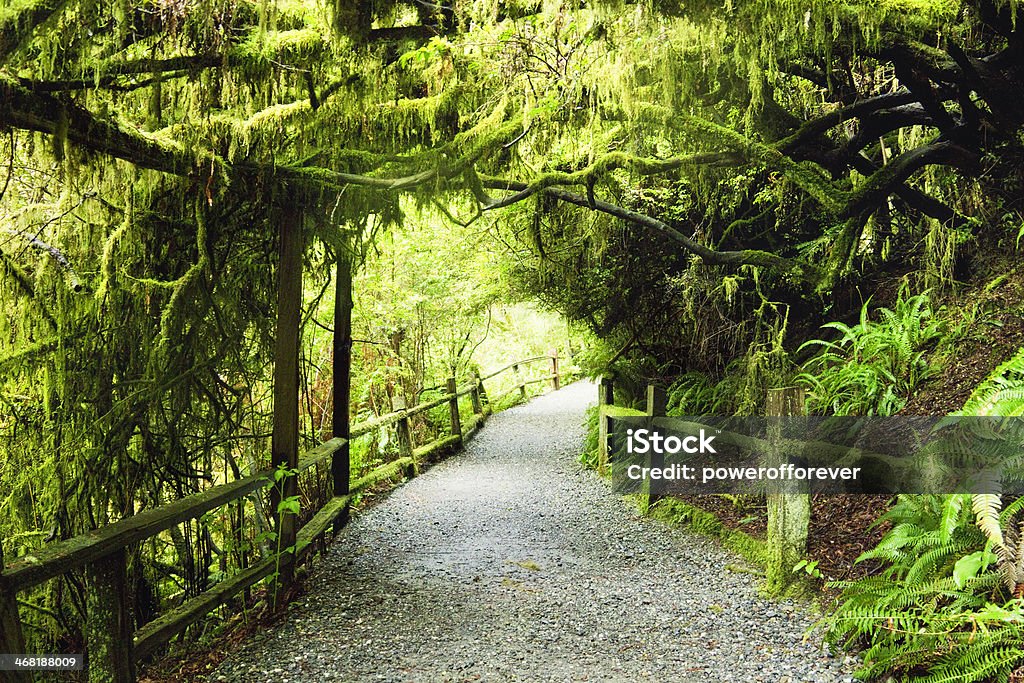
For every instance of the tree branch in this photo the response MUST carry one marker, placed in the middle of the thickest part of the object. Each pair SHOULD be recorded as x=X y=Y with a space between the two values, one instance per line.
x=818 y=126
x=107 y=82
x=22 y=108
x=754 y=257
x=888 y=178
x=611 y=161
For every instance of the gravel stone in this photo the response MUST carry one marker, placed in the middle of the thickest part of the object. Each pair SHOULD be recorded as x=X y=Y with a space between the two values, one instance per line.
x=509 y=562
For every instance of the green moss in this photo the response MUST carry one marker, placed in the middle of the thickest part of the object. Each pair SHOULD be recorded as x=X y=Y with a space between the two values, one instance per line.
x=675 y=512
x=678 y=513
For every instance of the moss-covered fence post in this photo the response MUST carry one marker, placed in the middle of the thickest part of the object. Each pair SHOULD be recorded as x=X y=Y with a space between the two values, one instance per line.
x=453 y=408
x=12 y=641
x=481 y=392
x=605 y=397
x=556 y=380
x=519 y=381
x=657 y=401
x=789 y=513
x=108 y=628
x=474 y=394
x=403 y=430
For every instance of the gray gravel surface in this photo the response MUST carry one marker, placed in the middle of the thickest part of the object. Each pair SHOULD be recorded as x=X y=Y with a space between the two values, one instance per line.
x=510 y=563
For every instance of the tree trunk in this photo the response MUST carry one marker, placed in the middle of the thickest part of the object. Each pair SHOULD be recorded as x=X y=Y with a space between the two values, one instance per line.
x=285 y=440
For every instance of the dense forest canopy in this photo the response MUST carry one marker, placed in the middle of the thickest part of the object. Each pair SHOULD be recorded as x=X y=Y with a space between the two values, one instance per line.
x=698 y=185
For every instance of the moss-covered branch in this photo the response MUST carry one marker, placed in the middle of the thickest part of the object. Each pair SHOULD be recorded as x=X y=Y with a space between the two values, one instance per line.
x=22 y=108
x=803 y=271
x=611 y=161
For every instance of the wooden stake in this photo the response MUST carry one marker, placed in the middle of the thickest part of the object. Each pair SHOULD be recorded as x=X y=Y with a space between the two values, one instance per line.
x=12 y=641
x=108 y=629
x=519 y=381
x=605 y=397
x=453 y=408
x=656 y=403
x=342 y=387
x=405 y=444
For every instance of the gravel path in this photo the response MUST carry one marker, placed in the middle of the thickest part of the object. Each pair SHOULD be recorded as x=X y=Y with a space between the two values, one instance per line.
x=510 y=563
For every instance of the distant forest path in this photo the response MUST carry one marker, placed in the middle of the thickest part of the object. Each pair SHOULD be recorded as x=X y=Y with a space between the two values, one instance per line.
x=509 y=562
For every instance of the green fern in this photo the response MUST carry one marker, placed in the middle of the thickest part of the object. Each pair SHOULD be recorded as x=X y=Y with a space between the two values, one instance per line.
x=874 y=365
x=1002 y=394
x=919 y=618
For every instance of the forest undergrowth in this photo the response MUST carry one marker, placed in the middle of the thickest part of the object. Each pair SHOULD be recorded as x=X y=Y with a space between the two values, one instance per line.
x=923 y=587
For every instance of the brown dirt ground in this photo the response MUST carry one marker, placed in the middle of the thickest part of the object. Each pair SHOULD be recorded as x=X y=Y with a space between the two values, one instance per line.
x=996 y=334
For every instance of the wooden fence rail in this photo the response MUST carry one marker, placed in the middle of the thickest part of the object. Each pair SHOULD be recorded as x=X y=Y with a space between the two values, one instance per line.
x=101 y=553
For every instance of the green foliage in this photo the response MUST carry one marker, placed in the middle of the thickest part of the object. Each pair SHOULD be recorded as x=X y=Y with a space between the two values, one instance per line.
x=937 y=611
x=874 y=365
x=137 y=323
x=694 y=394
x=1002 y=392
x=809 y=568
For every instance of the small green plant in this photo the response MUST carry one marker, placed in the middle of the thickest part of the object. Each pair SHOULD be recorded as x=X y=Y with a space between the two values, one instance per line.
x=286 y=505
x=590 y=455
x=937 y=611
x=810 y=568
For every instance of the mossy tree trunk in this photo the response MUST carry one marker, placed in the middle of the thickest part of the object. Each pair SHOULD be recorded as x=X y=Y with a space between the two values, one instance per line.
x=342 y=387
x=11 y=639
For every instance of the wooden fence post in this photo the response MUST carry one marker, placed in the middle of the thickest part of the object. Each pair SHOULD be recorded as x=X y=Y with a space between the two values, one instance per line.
x=482 y=392
x=789 y=513
x=108 y=628
x=519 y=381
x=453 y=407
x=12 y=641
x=605 y=397
x=342 y=387
x=405 y=445
x=556 y=381
x=285 y=439
x=474 y=394
x=656 y=403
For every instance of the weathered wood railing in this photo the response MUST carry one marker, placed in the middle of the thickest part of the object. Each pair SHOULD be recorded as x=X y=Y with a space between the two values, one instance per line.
x=113 y=648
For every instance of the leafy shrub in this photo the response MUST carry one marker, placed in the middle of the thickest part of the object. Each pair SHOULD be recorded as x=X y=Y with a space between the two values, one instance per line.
x=929 y=615
x=590 y=456
x=695 y=394
x=948 y=605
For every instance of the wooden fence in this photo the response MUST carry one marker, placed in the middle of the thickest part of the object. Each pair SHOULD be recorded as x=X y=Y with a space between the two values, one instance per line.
x=113 y=649
x=788 y=513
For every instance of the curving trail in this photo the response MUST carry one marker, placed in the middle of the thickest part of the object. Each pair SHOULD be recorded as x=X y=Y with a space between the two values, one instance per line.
x=510 y=563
